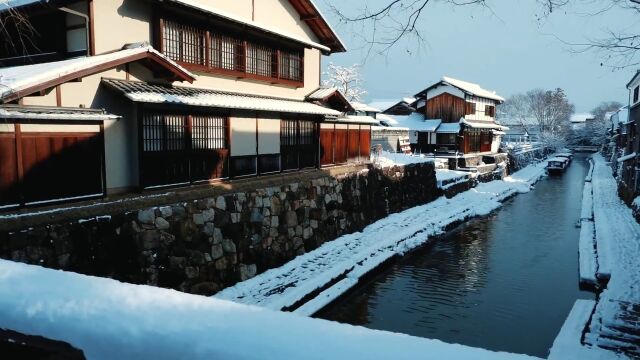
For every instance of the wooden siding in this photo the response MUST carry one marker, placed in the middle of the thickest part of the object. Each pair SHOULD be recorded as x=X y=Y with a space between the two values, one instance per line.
x=446 y=107
x=340 y=144
x=48 y=166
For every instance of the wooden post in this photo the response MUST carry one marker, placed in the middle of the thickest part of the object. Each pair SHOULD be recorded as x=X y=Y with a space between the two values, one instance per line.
x=188 y=145
x=92 y=31
x=19 y=163
x=207 y=49
x=103 y=167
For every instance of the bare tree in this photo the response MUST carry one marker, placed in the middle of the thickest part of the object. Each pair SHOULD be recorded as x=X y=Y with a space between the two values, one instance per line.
x=347 y=79
x=395 y=20
x=16 y=32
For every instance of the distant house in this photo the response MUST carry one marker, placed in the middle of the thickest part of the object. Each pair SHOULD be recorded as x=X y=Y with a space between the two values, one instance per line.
x=467 y=114
x=629 y=144
x=405 y=106
x=579 y=121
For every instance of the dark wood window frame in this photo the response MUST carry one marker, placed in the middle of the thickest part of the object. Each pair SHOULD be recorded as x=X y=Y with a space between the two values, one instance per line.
x=490 y=110
x=469 y=108
x=201 y=49
x=178 y=147
x=635 y=94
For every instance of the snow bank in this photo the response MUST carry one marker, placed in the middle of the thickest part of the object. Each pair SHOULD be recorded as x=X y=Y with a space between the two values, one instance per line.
x=587 y=202
x=567 y=344
x=112 y=320
x=587 y=253
x=353 y=255
x=387 y=159
x=448 y=178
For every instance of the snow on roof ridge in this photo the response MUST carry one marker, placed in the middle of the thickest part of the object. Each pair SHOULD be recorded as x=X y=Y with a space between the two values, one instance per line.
x=473 y=88
x=358 y=106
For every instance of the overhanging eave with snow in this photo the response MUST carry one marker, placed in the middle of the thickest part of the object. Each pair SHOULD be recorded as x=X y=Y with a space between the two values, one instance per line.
x=44 y=114
x=483 y=125
x=142 y=92
x=448 y=128
x=20 y=81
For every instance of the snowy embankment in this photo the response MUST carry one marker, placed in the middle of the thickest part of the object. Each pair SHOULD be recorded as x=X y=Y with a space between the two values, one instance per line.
x=617 y=236
x=586 y=245
x=107 y=319
x=449 y=178
x=337 y=265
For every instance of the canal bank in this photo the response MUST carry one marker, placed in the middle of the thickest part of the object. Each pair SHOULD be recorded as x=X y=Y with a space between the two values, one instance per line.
x=505 y=282
x=313 y=280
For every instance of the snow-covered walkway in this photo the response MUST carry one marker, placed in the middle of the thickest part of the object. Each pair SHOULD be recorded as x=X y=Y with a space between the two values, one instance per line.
x=337 y=265
x=617 y=315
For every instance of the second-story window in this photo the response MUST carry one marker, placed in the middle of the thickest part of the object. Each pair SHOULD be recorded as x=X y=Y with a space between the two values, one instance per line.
x=635 y=94
x=490 y=110
x=219 y=53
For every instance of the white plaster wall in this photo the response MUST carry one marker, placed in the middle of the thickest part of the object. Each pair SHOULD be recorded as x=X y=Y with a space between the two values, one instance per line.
x=268 y=136
x=243 y=136
x=480 y=107
x=7 y=128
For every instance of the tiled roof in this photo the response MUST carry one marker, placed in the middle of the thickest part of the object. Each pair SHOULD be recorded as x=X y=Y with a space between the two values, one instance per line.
x=321 y=93
x=164 y=94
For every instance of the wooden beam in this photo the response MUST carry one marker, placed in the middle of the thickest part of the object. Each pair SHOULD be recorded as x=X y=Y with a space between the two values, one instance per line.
x=19 y=162
x=309 y=17
x=58 y=96
x=92 y=31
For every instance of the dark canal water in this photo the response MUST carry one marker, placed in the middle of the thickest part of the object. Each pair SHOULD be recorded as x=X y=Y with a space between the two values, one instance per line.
x=506 y=282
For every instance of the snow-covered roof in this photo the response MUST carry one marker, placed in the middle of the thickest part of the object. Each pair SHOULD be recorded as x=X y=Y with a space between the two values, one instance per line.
x=448 y=128
x=322 y=93
x=364 y=107
x=163 y=94
x=211 y=9
x=386 y=104
x=580 y=118
x=357 y=119
x=387 y=119
x=472 y=88
x=620 y=117
x=18 y=81
x=416 y=122
x=53 y=113
x=483 y=125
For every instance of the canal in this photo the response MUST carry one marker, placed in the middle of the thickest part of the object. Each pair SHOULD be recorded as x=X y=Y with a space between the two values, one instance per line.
x=504 y=282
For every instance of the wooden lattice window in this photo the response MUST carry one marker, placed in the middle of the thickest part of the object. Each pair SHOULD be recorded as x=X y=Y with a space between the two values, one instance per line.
x=291 y=66
x=208 y=132
x=163 y=132
x=288 y=133
x=259 y=60
x=226 y=53
x=306 y=132
x=184 y=43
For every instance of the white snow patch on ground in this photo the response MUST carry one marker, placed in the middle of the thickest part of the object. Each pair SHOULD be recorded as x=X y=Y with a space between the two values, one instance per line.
x=353 y=255
x=108 y=319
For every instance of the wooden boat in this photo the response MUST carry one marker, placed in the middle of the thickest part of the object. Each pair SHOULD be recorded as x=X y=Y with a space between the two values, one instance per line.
x=568 y=156
x=557 y=165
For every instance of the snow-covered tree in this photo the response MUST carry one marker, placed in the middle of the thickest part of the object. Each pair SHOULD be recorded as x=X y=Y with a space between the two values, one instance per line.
x=347 y=79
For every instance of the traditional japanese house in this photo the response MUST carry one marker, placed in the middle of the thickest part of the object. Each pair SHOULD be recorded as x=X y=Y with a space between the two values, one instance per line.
x=467 y=114
x=112 y=96
x=627 y=165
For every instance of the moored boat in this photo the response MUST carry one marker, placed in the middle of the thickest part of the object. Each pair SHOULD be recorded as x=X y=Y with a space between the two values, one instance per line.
x=567 y=155
x=557 y=165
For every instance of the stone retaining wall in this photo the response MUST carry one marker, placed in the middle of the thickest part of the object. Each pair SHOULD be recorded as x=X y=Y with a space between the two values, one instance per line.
x=201 y=246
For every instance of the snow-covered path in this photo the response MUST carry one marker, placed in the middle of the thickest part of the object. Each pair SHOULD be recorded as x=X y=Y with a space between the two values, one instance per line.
x=616 y=320
x=347 y=258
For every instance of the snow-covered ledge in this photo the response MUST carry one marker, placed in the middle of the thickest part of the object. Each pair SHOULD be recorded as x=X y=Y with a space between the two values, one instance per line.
x=108 y=319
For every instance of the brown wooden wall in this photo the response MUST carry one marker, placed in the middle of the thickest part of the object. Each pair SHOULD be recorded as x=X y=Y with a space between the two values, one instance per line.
x=48 y=166
x=340 y=146
x=446 y=107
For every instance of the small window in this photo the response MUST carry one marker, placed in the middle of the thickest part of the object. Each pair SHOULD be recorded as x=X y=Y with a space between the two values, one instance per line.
x=489 y=110
x=635 y=94
x=470 y=108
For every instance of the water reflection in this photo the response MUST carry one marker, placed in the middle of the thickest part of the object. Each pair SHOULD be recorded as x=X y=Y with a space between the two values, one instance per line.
x=505 y=282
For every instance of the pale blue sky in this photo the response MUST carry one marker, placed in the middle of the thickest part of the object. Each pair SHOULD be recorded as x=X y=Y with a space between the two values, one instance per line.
x=508 y=51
